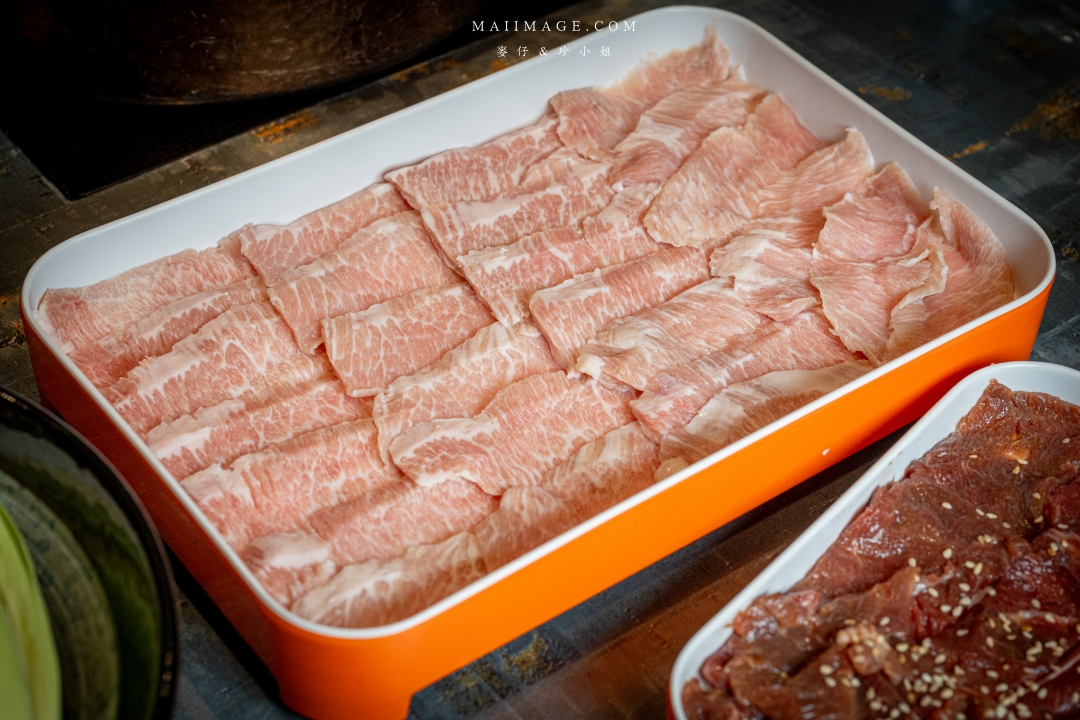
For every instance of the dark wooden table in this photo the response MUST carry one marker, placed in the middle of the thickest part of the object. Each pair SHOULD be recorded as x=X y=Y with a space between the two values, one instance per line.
x=992 y=85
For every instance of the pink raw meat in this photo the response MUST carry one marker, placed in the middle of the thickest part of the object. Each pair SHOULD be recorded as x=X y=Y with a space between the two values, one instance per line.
x=276 y=489
x=243 y=351
x=528 y=428
x=672 y=398
x=389 y=258
x=506 y=277
x=616 y=233
x=593 y=121
x=769 y=258
x=741 y=408
x=575 y=311
x=110 y=358
x=461 y=227
x=373 y=347
x=979 y=279
x=769 y=263
x=674 y=127
x=222 y=432
x=477 y=174
x=384 y=523
x=379 y=592
x=289 y=564
x=875 y=252
x=696 y=322
x=79 y=316
x=720 y=185
x=822 y=178
x=602 y=473
x=463 y=381
x=273 y=249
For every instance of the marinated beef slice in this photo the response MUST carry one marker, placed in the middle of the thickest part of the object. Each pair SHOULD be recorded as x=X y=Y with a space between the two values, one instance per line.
x=955 y=593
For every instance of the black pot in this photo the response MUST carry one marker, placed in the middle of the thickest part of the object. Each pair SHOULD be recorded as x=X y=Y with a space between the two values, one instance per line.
x=191 y=51
x=100 y=563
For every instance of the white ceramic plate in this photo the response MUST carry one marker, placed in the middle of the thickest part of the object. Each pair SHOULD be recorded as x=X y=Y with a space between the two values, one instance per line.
x=282 y=190
x=801 y=555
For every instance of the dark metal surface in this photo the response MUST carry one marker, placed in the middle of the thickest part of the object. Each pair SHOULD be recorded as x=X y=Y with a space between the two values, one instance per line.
x=991 y=85
x=192 y=51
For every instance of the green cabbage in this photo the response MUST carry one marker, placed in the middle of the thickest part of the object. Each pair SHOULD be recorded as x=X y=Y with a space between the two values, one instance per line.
x=29 y=666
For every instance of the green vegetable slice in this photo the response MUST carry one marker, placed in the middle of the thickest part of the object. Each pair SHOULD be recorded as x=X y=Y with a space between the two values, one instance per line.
x=29 y=666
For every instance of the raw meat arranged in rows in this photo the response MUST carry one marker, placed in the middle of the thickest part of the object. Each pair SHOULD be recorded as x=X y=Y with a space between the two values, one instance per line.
x=397 y=393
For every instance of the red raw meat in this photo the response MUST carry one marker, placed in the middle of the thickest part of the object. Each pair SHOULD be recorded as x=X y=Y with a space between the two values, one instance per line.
x=575 y=311
x=110 y=358
x=593 y=121
x=673 y=397
x=527 y=429
x=463 y=381
x=79 y=316
x=978 y=280
x=373 y=347
x=389 y=258
x=741 y=408
x=273 y=249
x=699 y=321
x=877 y=252
x=240 y=353
x=223 y=432
x=602 y=473
x=720 y=186
x=276 y=489
x=477 y=174
x=379 y=592
x=462 y=227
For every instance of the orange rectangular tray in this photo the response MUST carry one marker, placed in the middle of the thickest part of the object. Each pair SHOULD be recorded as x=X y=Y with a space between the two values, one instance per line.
x=331 y=673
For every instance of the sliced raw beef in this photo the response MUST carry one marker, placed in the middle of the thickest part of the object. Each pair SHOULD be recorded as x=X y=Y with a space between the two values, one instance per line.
x=463 y=381
x=740 y=409
x=223 y=432
x=384 y=523
x=527 y=429
x=273 y=249
x=616 y=234
x=276 y=489
x=602 y=473
x=696 y=322
x=769 y=263
x=389 y=258
x=822 y=178
x=289 y=564
x=371 y=348
x=528 y=516
x=593 y=121
x=876 y=251
x=461 y=227
x=672 y=398
x=979 y=279
x=571 y=313
x=673 y=128
x=719 y=187
x=110 y=358
x=506 y=277
x=79 y=316
x=769 y=258
x=240 y=353
x=379 y=592
x=477 y=174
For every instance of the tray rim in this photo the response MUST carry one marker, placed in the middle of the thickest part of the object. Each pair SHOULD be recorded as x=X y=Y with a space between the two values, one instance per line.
x=492 y=578
x=717 y=629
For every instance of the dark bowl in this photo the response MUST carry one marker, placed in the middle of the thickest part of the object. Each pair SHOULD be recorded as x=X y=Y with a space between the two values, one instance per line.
x=100 y=563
